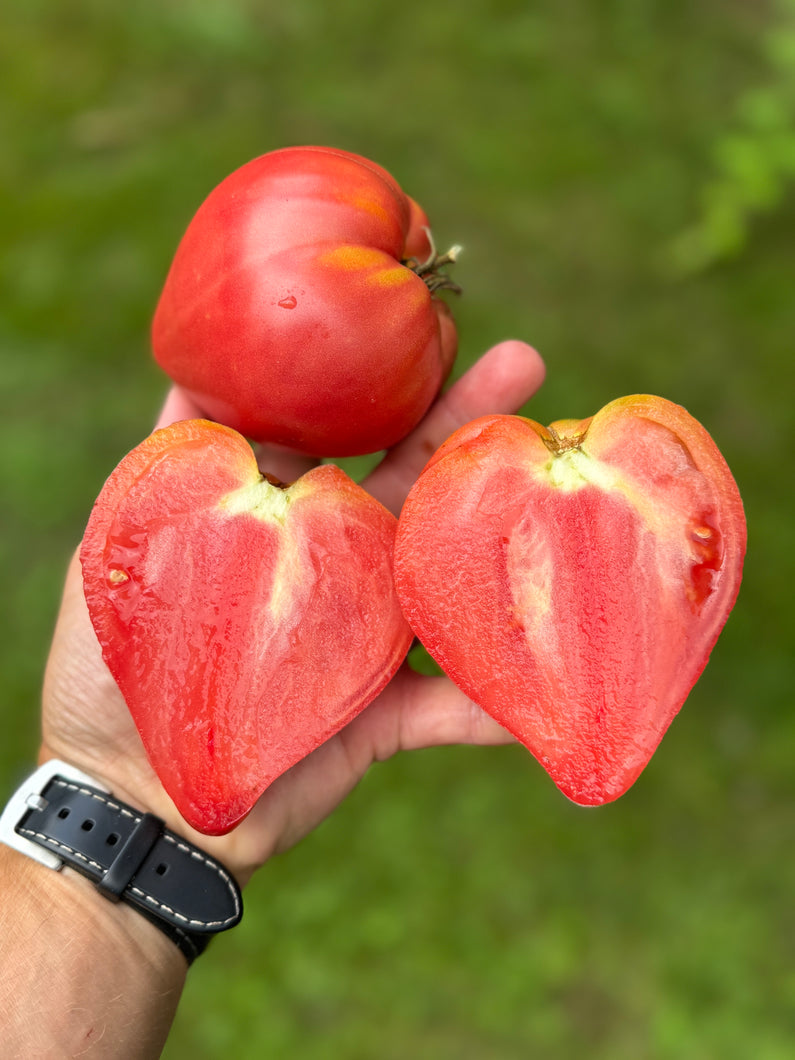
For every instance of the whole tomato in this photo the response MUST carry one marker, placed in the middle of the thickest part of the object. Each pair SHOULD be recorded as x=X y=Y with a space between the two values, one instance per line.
x=301 y=305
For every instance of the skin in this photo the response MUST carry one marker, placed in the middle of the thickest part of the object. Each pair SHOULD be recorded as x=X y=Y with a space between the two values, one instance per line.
x=113 y=980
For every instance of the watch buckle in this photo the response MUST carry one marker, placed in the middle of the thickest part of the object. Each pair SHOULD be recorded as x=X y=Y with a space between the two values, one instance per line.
x=29 y=797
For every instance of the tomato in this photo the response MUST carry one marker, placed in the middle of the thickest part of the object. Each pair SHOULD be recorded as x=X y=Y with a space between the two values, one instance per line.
x=301 y=306
x=572 y=580
x=244 y=623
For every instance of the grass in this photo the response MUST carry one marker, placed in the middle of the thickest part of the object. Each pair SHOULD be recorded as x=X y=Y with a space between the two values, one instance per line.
x=456 y=905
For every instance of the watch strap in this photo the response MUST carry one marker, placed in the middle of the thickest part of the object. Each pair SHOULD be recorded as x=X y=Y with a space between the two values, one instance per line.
x=131 y=856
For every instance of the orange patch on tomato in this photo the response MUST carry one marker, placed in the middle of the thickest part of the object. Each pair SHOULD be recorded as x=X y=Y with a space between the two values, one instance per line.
x=383 y=270
x=369 y=205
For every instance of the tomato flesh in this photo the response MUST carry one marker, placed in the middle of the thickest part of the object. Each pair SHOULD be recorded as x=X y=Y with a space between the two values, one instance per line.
x=574 y=579
x=244 y=623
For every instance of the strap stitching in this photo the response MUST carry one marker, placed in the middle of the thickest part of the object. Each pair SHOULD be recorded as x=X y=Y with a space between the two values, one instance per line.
x=177 y=916
x=99 y=796
x=173 y=840
x=61 y=846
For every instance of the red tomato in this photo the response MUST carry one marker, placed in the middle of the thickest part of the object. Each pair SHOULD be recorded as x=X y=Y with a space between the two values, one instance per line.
x=572 y=580
x=244 y=623
x=297 y=309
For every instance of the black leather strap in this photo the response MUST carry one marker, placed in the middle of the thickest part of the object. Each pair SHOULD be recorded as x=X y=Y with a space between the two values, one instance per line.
x=132 y=856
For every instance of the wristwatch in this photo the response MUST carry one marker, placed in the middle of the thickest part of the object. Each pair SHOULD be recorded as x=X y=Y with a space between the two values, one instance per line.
x=61 y=816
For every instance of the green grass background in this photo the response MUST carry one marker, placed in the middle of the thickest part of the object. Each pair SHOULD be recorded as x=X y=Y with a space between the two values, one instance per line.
x=619 y=174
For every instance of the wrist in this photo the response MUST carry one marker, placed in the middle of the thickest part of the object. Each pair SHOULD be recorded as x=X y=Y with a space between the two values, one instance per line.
x=66 y=907
x=79 y=971
x=63 y=818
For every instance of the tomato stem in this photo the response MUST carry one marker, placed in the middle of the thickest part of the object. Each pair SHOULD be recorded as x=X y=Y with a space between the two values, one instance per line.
x=277 y=482
x=429 y=270
x=562 y=443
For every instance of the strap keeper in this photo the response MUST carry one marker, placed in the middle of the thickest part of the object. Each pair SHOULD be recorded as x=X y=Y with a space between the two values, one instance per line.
x=130 y=858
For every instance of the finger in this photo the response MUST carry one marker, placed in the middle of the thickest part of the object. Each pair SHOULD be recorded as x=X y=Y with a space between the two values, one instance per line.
x=177 y=406
x=504 y=378
x=412 y=712
x=416 y=711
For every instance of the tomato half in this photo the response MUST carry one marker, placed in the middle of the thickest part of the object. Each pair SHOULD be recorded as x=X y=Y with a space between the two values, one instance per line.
x=573 y=580
x=244 y=623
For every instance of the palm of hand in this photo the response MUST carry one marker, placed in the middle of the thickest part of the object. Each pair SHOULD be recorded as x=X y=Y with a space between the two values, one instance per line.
x=86 y=722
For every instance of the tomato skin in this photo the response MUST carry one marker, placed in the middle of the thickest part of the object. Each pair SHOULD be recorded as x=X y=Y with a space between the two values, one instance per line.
x=244 y=623
x=288 y=315
x=573 y=580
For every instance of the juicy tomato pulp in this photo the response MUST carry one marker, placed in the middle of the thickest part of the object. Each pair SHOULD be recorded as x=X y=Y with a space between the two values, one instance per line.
x=573 y=580
x=244 y=624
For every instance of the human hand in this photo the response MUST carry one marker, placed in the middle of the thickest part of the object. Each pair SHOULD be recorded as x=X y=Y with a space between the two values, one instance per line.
x=86 y=722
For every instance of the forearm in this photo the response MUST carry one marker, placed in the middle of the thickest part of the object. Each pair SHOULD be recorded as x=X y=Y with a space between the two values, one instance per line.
x=81 y=975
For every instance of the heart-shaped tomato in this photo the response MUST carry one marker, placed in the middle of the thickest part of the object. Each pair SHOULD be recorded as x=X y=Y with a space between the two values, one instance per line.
x=572 y=580
x=300 y=306
x=244 y=623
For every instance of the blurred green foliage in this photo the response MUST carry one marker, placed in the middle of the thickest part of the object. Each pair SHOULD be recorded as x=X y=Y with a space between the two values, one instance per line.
x=754 y=159
x=620 y=177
